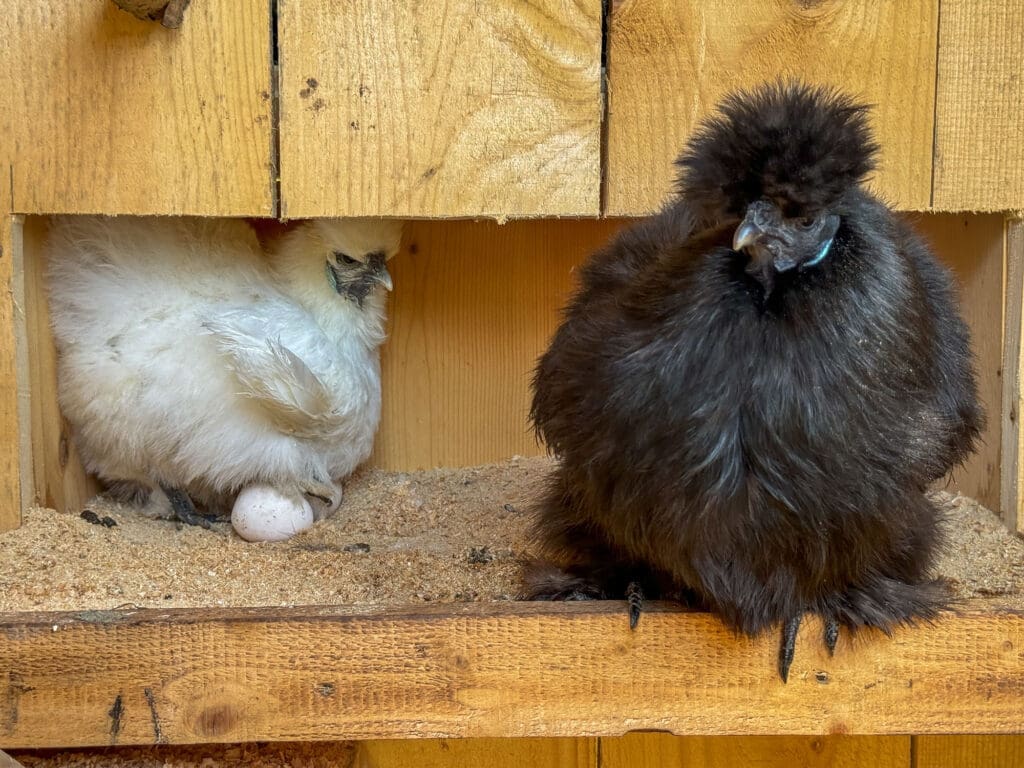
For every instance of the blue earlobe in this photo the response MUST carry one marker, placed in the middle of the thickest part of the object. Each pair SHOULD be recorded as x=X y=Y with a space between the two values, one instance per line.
x=821 y=254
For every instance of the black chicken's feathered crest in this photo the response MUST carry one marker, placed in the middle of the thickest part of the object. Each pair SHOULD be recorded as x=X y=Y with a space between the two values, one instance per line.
x=801 y=145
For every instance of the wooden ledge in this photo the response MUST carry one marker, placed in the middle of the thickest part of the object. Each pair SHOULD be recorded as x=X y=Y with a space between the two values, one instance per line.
x=498 y=669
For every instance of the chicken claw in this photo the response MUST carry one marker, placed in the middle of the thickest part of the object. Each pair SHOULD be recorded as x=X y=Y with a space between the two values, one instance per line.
x=185 y=510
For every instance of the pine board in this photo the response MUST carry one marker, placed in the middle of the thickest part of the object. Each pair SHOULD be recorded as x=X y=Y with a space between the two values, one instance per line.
x=472 y=309
x=477 y=753
x=657 y=750
x=1012 y=472
x=455 y=108
x=972 y=247
x=486 y=670
x=11 y=444
x=670 y=62
x=979 y=155
x=971 y=751
x=102 y=112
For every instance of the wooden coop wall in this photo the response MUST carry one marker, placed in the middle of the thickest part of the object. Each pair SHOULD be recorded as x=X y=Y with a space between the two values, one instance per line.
x=101 y=113
x=474 y=305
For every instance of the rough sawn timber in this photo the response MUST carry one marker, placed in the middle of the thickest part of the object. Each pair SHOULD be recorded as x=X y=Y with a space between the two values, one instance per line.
x=509 y=669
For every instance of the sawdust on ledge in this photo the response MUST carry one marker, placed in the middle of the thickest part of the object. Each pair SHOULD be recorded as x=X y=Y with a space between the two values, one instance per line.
x=399 y=538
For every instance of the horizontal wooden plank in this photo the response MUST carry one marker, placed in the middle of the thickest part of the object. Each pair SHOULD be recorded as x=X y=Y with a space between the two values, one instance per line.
x=503 y=669
x=103 y=113
x=970 y=751
x=979 y=158
x=461 y=108
x=656 y=750
x=670 y=62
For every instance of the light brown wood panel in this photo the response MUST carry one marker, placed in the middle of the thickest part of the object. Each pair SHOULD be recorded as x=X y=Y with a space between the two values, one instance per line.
x=487 y=670
x=979 y=156
x=1012 y=464
x=659 y=750
x=54 y=471
x=477 y=753
x=972 y=246
x=454 y=108
x=670 y=62
x=11 y=444
x=474 y=304
x=102 y=112
x=970 y=752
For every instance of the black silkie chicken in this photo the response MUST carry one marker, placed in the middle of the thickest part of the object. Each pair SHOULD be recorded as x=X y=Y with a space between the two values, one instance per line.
x=752 y=390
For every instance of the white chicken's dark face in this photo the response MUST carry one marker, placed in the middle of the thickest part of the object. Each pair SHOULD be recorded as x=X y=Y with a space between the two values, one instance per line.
x=356 y=276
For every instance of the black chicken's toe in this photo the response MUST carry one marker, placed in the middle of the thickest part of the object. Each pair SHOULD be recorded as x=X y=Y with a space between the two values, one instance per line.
x=787 y=649
x=831 y=634
x=635 y=598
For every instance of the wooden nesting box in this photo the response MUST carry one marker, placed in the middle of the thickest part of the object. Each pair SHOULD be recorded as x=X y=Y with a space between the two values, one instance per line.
x=464 y=110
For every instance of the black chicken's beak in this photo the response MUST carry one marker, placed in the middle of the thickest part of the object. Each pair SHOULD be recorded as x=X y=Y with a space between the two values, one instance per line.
x=762 y=236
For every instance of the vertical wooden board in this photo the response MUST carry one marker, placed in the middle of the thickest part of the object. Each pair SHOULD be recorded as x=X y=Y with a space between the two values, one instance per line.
x=475 y=304
x=10 y=441
x=57 y=478
x=970 y=752
x=670 y=62
x=972 y=246
x=979 y=156
x=1012 y=464
x=657 y=750
x=477 y=753
x=455 y=108
x=102 y=112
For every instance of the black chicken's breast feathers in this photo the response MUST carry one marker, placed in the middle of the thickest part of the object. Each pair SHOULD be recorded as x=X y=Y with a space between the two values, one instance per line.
x=771 y=456
x=803 y=145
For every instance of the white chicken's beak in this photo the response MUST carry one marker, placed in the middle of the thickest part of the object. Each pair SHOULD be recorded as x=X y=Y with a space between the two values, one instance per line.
x=384 y=277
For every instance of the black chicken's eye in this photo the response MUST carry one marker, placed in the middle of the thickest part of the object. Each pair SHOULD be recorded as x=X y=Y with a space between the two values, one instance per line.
x=343 y=258
x=806 y=222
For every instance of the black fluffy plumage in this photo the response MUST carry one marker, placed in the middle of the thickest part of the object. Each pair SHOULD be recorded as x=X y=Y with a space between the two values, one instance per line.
x=758 y=438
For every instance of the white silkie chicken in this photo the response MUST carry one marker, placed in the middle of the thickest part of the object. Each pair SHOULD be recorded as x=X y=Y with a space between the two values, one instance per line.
x=190 y=362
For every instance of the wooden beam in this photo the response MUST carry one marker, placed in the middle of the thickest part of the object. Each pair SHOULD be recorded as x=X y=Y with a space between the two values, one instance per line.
x=669 y=63
x=12 y=446
x=103 y=113
x=657 y=750
x=1012 y=469
x=979 y=165
x=507 y=669
x=462 y=108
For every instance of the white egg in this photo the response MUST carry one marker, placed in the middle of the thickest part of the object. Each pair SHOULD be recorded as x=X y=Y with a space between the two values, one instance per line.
x=262 y=513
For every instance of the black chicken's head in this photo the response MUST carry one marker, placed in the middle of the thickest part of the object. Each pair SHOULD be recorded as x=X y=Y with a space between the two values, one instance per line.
x=781 y=159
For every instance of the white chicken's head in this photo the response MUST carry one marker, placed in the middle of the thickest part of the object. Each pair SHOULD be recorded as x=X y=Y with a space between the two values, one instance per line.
x=346 y=256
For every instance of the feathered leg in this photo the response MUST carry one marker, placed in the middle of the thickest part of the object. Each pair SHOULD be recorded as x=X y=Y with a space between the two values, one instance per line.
x=184 y=509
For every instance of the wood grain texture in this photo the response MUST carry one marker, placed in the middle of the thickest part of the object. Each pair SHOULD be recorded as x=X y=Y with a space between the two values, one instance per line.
x=54 y=470
x=970 y=751
x=657 y=750
x=670 y=62
x=1012 y=464
x=972 y=247
x=102 y=112
x=11 y=315
x=486 y=670
x=979 y=157
x=473 y=307
x=455 y=108
x=477 y=753
x=476 y=304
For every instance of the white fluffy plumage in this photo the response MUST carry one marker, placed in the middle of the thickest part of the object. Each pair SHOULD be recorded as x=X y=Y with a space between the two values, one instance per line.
x=189 y=361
